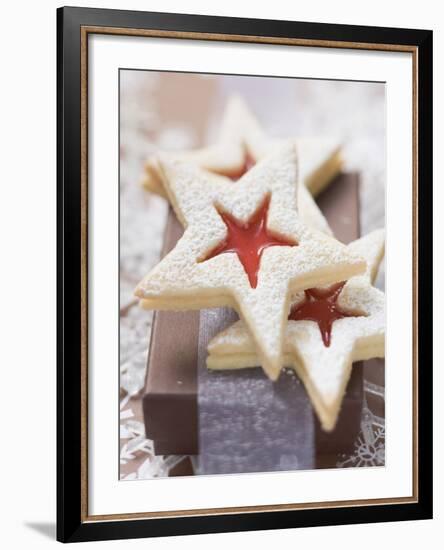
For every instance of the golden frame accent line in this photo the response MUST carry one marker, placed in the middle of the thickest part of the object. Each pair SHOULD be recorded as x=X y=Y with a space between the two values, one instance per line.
x=85 y=32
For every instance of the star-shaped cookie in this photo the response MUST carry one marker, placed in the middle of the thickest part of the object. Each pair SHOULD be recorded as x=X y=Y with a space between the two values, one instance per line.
x=338 y=325
x=242 y=142
x=244 y=246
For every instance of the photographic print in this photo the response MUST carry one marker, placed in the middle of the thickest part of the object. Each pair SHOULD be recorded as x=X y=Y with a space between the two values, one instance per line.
x=252 y=306
x=244 y=274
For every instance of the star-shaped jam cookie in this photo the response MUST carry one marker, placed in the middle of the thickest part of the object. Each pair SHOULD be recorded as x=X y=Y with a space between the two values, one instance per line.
x=328 y=329
x=211 y=266
x=242 y=142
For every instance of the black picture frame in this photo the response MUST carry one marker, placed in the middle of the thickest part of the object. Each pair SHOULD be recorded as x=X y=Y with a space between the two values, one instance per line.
x=72 y=524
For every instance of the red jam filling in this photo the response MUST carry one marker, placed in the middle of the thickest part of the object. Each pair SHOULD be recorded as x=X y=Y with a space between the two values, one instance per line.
x=320 y=306
x=248 y=162
x=248 y=240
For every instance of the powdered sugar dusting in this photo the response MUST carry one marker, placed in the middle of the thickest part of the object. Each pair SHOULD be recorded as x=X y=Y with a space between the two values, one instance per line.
x=325 y=370
x=317 y=259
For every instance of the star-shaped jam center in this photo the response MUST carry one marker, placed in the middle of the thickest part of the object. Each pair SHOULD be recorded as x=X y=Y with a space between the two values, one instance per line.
x=248 y=240
x=248 y=162
x=321 y=306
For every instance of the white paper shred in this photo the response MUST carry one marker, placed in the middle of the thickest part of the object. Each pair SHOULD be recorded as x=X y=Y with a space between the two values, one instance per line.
x=128 y=413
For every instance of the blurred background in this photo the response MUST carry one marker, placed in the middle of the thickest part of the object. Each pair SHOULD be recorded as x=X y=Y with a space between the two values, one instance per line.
x=176 y=111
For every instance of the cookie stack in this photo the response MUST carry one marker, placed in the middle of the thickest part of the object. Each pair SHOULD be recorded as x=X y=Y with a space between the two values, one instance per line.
x=255 y=240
